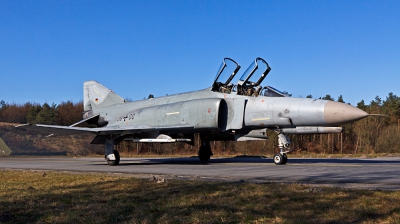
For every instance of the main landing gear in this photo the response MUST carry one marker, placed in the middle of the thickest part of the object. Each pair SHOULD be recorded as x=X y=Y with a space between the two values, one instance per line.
x=111 y=155
x=283 y=143
x=205 y=151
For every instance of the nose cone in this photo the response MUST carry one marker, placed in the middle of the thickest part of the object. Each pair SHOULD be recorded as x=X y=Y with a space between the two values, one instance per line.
x=336 y=113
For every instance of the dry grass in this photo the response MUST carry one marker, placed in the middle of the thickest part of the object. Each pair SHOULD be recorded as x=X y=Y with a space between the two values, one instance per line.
x=55 y=197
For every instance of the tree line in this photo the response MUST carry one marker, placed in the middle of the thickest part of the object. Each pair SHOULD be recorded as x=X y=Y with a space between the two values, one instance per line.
x=374 y=134
x=65 y=113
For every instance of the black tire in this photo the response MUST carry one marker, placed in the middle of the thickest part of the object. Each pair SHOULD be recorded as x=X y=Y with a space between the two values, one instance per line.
x=204 y=155
x=116 y=161
x=117 y=157
x=205 y=151
x=284 y=159
x=278 y=159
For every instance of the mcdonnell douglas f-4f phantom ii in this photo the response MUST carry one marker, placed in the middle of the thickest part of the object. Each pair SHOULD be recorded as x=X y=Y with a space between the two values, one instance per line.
x=224 y=112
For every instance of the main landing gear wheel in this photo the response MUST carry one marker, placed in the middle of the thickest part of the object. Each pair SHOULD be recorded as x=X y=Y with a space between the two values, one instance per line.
x=116 y=161
x=205 y=151
x=280 y=159
x=204 y=156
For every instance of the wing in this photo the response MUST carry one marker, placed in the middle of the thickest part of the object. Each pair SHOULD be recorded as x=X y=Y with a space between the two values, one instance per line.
x=69 y=130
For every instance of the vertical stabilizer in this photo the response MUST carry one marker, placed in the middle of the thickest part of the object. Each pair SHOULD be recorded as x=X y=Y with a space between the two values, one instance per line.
x=96 y=96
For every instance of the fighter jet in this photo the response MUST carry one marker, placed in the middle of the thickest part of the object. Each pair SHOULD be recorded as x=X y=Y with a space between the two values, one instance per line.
x=243 y=111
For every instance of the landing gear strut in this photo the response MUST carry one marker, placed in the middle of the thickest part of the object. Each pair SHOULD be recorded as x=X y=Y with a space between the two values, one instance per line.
x=205 y=151
x=112 y=156
x=283 y=143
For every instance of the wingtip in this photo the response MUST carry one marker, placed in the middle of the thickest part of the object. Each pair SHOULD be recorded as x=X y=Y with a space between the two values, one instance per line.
x=23 y=125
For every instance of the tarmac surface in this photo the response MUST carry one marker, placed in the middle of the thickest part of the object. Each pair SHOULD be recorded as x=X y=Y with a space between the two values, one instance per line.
x=376 y=174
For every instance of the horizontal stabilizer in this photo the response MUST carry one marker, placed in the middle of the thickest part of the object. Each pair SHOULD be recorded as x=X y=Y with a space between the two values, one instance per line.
x=79 y=122
x=84 y=120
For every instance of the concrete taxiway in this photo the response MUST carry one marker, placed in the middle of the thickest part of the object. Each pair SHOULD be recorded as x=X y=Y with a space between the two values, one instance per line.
x=378 y=173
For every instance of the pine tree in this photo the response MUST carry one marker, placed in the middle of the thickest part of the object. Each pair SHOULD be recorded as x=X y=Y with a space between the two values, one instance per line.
x=47 y=114
x=33 y=111
x=328 y=97
x=340 y=99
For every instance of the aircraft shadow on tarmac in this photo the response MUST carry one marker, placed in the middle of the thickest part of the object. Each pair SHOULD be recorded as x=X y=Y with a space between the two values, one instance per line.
x=254 y=160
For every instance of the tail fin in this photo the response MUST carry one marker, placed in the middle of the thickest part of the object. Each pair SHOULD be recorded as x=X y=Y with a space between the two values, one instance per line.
x=97 y=96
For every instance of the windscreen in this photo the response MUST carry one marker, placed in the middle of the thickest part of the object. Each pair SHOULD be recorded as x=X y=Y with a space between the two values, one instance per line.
x=272 y=92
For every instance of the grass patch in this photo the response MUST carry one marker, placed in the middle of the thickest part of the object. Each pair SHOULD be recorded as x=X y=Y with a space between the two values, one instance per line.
x=56 y=197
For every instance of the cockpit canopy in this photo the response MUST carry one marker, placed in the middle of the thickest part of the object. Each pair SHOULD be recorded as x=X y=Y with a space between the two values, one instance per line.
x=225 y=74
x=248 y=84
x=252 y=88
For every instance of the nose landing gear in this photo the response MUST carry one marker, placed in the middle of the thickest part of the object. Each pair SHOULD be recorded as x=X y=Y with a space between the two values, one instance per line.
x=283 y=143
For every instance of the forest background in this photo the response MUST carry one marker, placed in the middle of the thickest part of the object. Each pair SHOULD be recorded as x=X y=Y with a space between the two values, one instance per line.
x=374 y=134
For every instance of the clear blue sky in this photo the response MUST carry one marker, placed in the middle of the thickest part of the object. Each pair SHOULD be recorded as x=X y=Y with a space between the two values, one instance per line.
x=49 y=48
